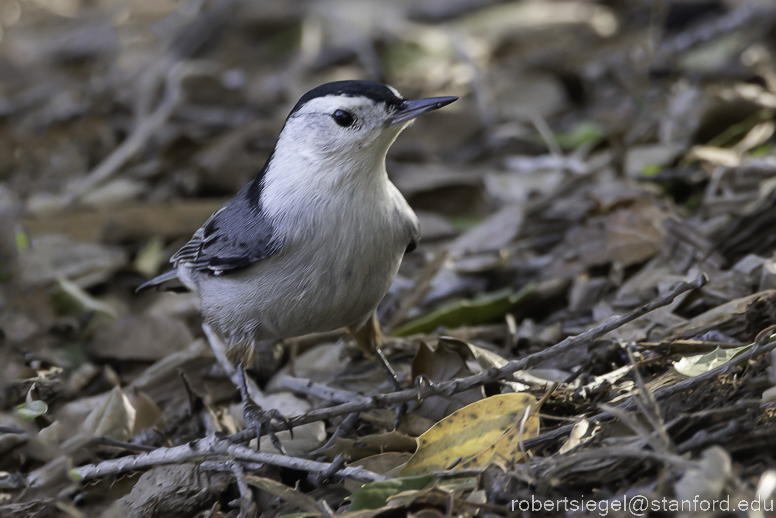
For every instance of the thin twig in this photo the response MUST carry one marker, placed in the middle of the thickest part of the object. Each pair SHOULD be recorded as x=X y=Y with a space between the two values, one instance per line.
x=172 y=64
x=13 y=481
x=346 y=426
x=541 y=126
x=733 y=430
x=309 y=387
x=211 y=446
x=11 y=429
x=631 y=421
x=219 y=351
x=649 y=408
x=124 y=445
x=247 y=507
x=556 y=466
x=448 y=388
x=145 y=129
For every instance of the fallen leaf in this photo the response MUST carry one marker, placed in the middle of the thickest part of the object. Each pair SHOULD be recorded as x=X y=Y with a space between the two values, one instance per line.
x=475 y=434
x=369 y=445
x=85 y=264
x=575 y=437
x=375 y=494
x=585 y=132
x=32 y=409
x=113 y=417
x=494 y=233
x=140 y=338
x=307 y=437
x=150 y=257
x=483 y=309
x=176 y=490
x=697 y=365
x=446 y=491
x=382 y=463
x=721 y=316
x=708 y=479
x=445 y=362
x=287 y=494
x=647 y=155
x=714 y=155
x=488 y=359
x=74 y=300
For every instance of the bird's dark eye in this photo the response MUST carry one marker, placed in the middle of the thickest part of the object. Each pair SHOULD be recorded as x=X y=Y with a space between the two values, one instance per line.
x=343 y=118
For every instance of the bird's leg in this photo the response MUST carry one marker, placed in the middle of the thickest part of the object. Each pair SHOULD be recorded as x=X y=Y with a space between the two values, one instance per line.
x=369 y=339
x=255 y=416
x=392 y=376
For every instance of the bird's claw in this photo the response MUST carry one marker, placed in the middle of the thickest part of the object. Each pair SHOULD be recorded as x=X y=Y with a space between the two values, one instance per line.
x=422 y=379
x=261 y=420
x=401 y=410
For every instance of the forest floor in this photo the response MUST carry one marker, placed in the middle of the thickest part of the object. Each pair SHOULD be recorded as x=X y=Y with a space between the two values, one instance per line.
x=595 y=284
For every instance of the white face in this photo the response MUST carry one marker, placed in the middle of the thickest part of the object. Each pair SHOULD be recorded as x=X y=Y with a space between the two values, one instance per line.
x=337 y=128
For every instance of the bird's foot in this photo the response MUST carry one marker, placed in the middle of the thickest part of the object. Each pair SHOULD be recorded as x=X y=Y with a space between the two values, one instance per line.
x=370 y=339
x=260 y=419
x=400 y=408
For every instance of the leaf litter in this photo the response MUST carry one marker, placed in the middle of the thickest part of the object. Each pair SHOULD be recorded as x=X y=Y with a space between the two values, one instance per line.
x=601 y=154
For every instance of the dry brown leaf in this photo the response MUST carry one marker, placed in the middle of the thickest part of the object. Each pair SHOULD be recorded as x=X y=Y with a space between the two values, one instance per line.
x=113 y=417
x=368 y=445
x=443 y=363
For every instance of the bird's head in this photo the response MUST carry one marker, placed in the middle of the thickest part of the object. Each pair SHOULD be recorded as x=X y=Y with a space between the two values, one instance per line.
x=349 y=124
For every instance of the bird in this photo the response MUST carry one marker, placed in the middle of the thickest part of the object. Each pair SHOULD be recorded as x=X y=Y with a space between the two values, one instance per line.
x=314 y=241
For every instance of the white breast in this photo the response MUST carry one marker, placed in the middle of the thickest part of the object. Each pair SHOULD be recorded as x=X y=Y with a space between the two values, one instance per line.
x=342 y=246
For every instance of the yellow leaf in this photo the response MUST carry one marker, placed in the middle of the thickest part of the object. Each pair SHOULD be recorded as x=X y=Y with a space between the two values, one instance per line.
x=507 y=448
x=473 y=435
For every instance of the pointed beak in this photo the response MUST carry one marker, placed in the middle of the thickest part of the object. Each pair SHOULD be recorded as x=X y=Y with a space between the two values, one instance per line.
x=411 y=109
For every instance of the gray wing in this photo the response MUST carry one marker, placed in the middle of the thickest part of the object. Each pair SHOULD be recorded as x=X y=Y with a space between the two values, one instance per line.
x=234 y=237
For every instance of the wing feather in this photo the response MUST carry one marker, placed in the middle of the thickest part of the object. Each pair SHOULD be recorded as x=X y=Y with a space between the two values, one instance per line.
x=235 y=236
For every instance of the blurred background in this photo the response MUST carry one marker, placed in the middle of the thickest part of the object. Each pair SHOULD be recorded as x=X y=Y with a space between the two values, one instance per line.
x=601 y=151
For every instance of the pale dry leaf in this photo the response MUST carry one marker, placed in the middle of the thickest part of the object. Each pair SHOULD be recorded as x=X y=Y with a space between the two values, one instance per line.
x=176 y=490
x=113 y=417
x=84 y=264
x=285 y=493
x=708 y=479
x=140 y=338
x=575 y=437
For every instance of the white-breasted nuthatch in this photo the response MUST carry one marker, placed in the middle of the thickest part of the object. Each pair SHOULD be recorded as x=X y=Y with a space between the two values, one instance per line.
x=313 y=243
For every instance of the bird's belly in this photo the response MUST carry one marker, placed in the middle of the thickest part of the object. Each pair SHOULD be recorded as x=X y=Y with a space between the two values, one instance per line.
x=329 y=293
x=293 y=294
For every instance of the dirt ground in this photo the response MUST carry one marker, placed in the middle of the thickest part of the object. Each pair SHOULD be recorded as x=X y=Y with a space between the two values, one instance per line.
x=585 y=326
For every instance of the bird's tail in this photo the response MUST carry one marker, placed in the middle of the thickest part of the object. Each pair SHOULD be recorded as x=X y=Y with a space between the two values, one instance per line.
x=158 y=281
